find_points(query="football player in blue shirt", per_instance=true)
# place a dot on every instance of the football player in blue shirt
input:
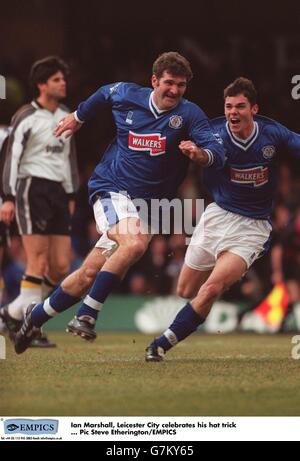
(235, 229)
(147, 160)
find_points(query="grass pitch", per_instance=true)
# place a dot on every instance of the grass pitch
(207, 375)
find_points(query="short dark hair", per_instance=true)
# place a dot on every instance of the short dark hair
(43, 69)
(242, 85)
(174, 63)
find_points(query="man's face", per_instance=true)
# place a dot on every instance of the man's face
(168, 90)
(239, 114)
(55, 87)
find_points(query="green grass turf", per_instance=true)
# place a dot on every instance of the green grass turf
(237, 375)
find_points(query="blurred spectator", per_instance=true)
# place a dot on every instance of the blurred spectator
(160, 280)
(138, 284)
(285, 254)
(13, 269)
(177, 246)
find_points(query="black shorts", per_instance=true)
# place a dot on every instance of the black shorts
(7, 232)
(42, 207)
(3, 234)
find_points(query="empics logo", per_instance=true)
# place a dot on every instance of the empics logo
(30, 426)
(2, 87)
(152, 142)
(12, 427)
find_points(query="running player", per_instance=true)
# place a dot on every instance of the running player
(145, 161)
(235, 229)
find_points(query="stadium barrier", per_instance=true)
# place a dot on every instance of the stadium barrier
(152, 315)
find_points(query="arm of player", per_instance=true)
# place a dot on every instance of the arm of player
(201, 133)
(17, 142)
(68, 125)
(104, 96)
(193, 152)
(7, 212)
(71, 180)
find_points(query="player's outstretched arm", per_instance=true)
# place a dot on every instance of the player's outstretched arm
(68, 125)
(194, 152)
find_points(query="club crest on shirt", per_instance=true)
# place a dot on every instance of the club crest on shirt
(268, 152)
(152, 142)
(175, 122)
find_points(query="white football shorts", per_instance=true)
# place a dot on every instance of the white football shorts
(219, 230)
(110, 210)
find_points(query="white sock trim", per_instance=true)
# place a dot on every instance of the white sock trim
(49, 309)
(171, 337)
(93, 303)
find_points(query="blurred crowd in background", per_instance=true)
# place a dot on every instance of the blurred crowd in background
(103, 48)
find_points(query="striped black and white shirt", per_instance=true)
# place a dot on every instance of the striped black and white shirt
(34, 151)
(4, 133)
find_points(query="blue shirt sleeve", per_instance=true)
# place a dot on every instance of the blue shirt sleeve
(290, 140)
(202, 134)
(103, 97)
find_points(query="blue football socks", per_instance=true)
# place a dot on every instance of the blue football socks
(58, 302)
(103, 285)
(185, 323)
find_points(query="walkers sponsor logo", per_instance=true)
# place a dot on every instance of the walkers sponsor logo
(30, 426)
(257, 176)
(153, 143)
